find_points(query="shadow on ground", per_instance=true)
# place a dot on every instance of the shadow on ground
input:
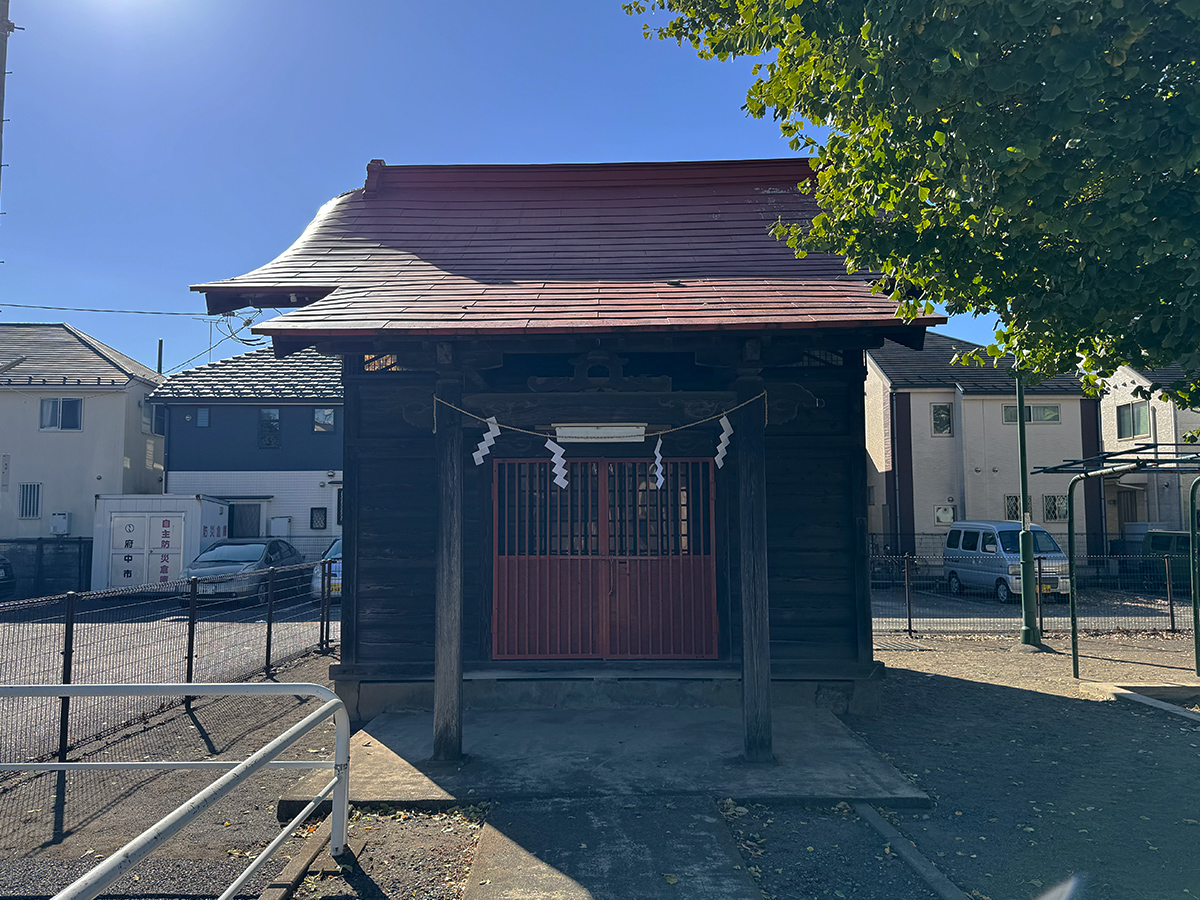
(1031, 786)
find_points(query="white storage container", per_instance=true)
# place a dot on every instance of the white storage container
(147, 539)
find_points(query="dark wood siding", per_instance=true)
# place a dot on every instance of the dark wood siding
(813, 463)
(815, 479)
(397, 526)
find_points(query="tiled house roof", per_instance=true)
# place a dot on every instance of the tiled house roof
(931, 367)
(303, 376)
(558, 248)
(57, 354)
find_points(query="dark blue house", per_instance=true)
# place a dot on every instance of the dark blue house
(265, 435)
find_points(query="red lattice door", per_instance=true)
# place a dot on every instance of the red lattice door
(610, 566)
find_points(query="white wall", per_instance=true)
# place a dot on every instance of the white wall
(935, 461)
(103, 457)
(879, 447)
(978, 466)
(1162, 498)
(292, 494)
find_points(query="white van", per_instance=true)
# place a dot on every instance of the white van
(985, 555)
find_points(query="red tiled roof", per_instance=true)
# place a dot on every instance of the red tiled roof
(559, 248)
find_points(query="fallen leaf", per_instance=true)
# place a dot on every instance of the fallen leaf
(671, 879)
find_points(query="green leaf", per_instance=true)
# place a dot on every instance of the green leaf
(1063, 208)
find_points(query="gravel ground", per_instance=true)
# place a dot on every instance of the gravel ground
(408, 853)
(53, 828)
(1032, 781)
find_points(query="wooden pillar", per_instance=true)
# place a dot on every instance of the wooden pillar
(447, 659)
(750, 440)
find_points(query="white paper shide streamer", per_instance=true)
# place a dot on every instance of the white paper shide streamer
(658, 464)
(723, 444)
(560, 465)
(489, 438)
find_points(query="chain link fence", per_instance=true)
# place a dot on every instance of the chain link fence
(216, 629)
(923, 594)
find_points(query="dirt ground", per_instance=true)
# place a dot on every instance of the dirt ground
(1032, 780)
(54, 828)
(819, 852)
(407, 853)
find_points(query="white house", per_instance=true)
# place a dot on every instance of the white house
(1143, 500)
(76, 422)
(942, 444)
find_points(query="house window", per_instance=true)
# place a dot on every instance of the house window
(154, 418)
(244, 520)
(1133, 420)
(318, 518)
(29, 506)
(944, 515)
(942, 419)
(1054, 507)
(1012, 506)
(339, 507)
(61, 414)
(201, 416)
(1036, 413)
(322, 419)
(870, 495)
(268, 429)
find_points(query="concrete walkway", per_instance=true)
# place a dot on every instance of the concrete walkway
(523, 754)
(593, 805)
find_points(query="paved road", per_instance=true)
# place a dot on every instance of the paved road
(934, 610)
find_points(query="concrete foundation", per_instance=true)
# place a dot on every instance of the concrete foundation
(368, 699)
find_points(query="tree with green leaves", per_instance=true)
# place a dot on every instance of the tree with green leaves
(1034, 159)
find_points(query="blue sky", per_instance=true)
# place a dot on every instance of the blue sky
(154, 144)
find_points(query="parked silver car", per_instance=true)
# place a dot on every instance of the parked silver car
(985, 554)
(242, 564)
(334, 553)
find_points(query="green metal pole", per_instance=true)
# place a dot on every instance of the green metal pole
(1029, 628)
(1192, 574)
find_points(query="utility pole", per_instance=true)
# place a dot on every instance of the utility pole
(6, 28)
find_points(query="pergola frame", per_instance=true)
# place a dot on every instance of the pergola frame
(1120, 462)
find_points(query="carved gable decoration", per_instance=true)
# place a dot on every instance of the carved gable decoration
(600, 371)
(784, 402)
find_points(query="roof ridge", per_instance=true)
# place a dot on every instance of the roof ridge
(125, 364)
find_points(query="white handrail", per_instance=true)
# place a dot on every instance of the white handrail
(96, 880)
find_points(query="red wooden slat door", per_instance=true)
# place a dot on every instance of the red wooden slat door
(609, 567)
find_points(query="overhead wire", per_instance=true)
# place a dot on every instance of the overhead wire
(87, 309)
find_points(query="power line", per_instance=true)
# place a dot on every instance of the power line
(231, 335)
(129, 312)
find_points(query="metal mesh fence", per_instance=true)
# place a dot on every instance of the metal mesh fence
(223, 628)
(927, 594)
(38, 567)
